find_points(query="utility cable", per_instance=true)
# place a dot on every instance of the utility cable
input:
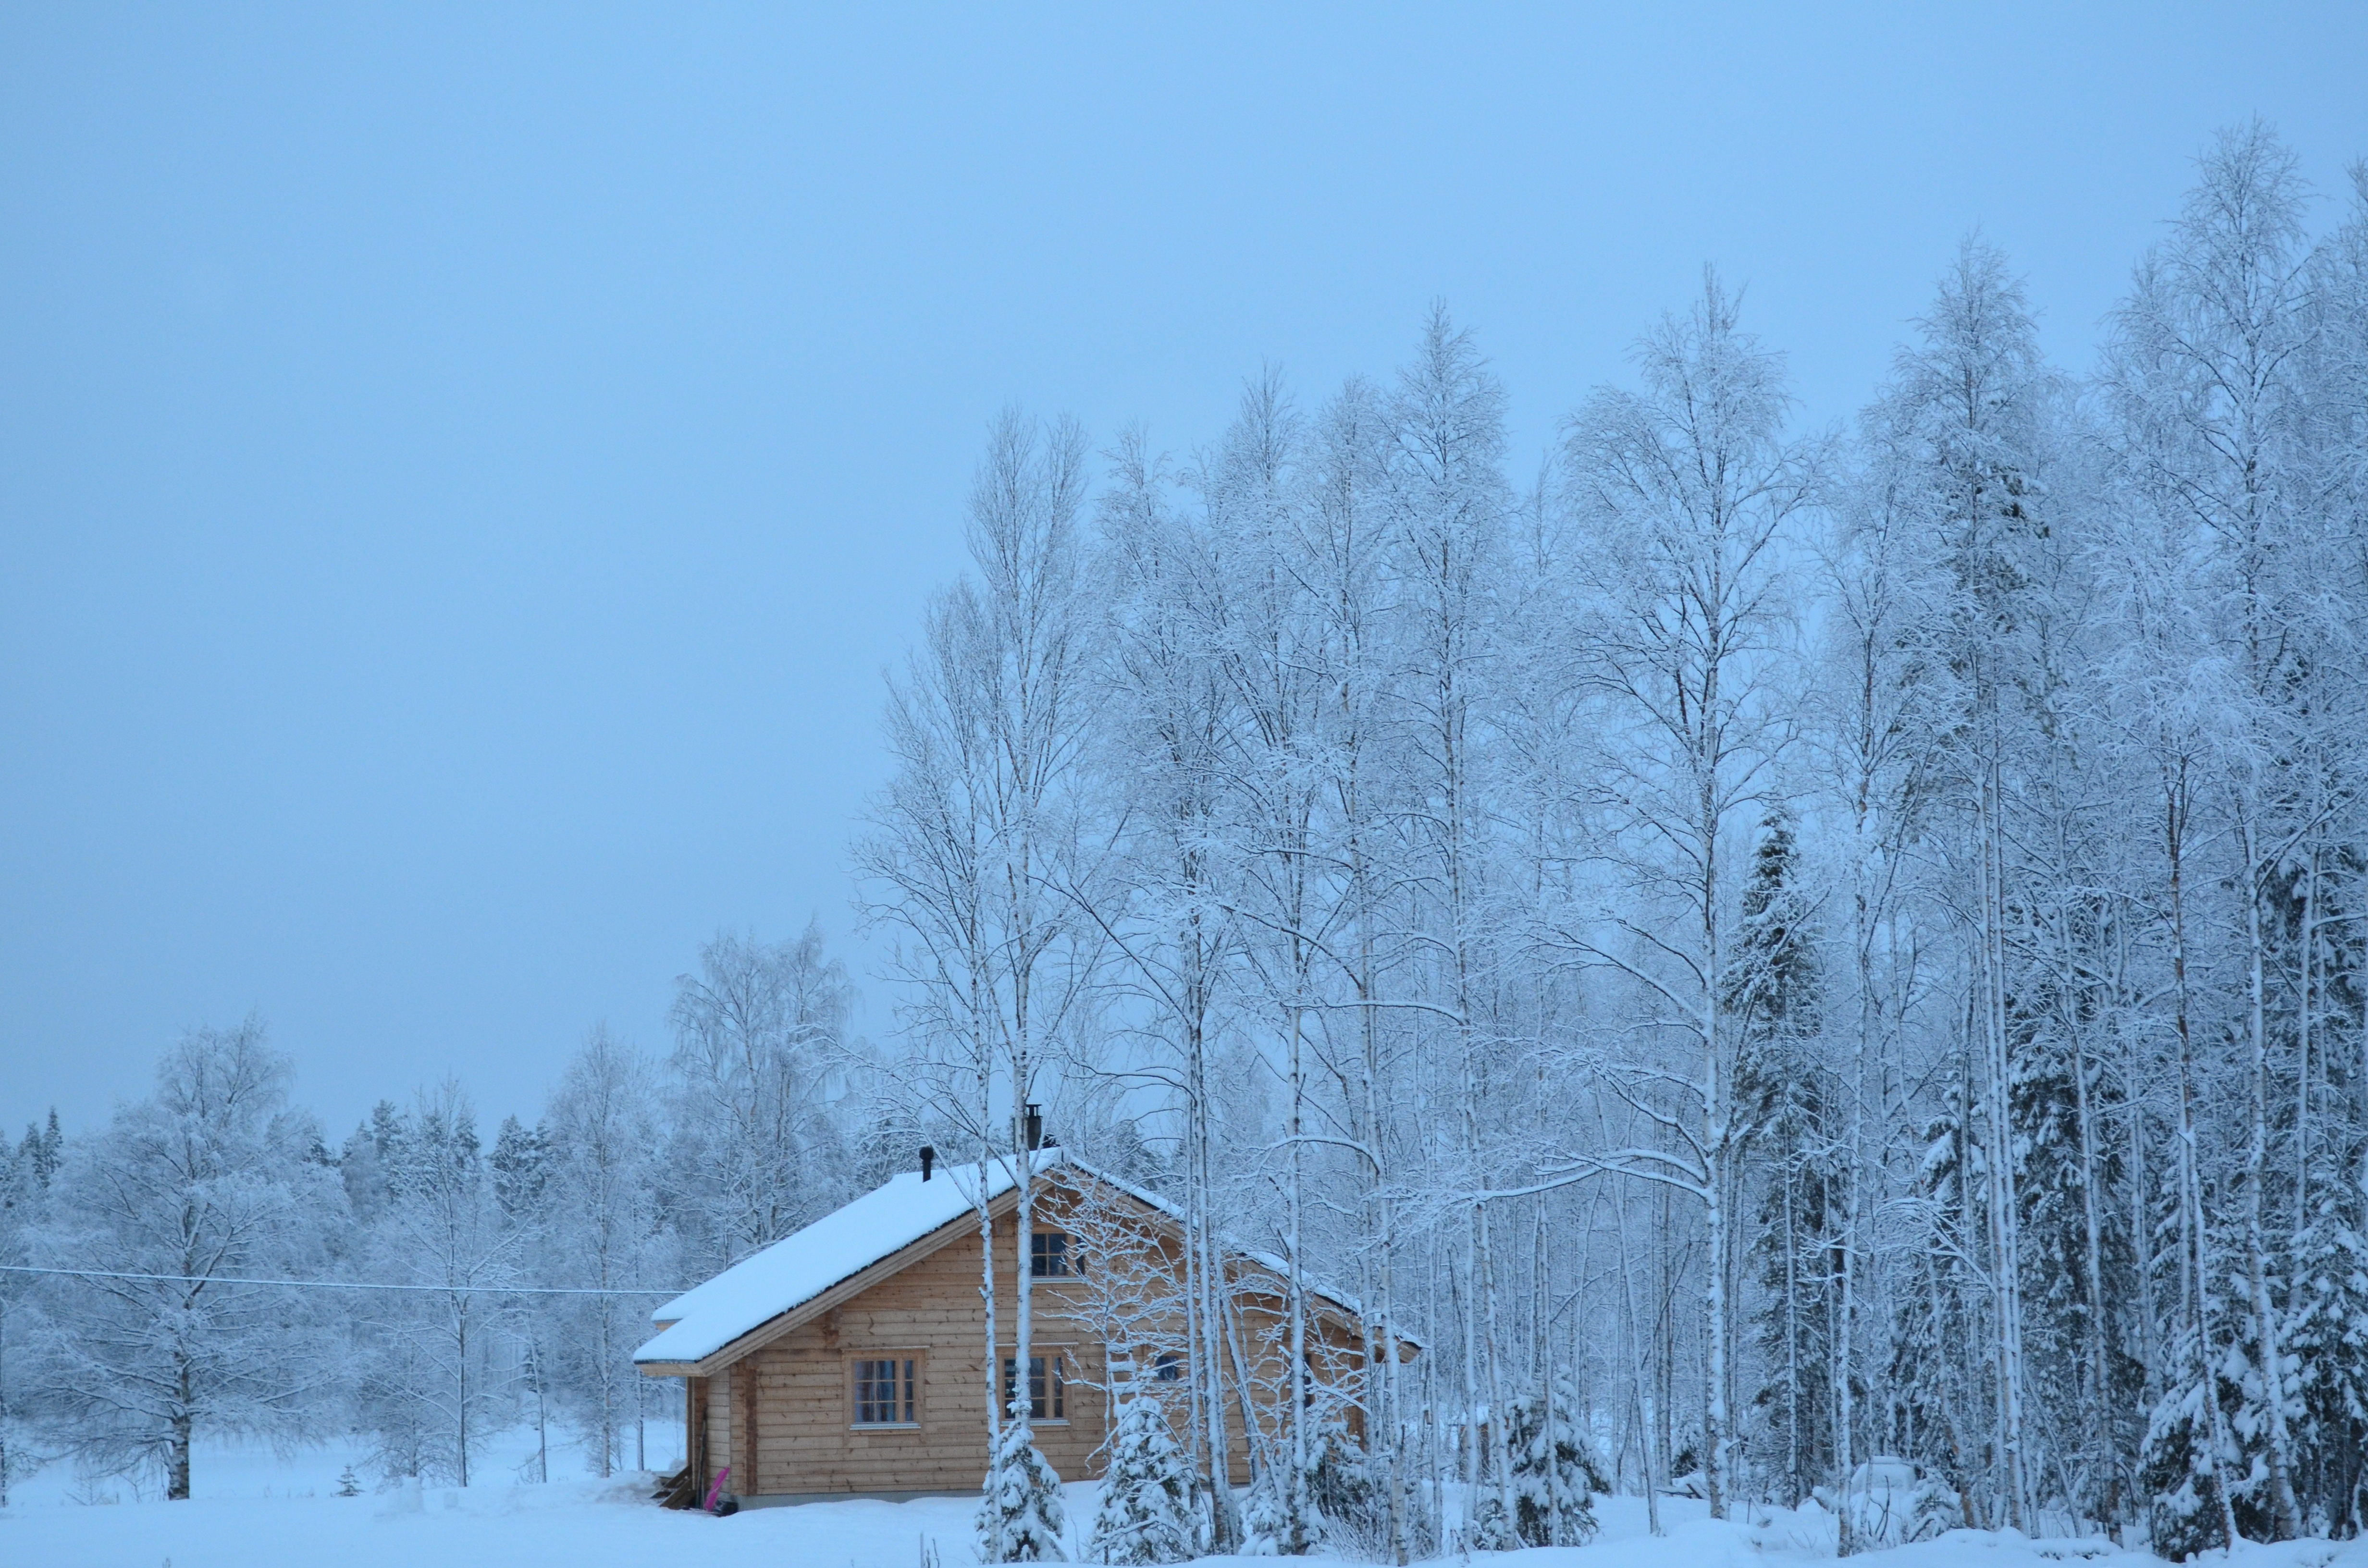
(340, 1284)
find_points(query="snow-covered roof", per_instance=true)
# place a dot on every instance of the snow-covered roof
(847, 1241)
(801, 1265)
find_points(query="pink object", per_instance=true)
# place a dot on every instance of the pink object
(716, 1490)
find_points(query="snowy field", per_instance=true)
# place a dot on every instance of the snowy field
(257, 1510)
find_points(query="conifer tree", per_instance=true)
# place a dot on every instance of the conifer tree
(520, 1163)
(1789, 1104)
(1021, 1518)
(1146, 1503)
(2184, 1460)
(1276, 1519)
(1556, 1471)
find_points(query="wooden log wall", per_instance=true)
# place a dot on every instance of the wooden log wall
(784, 1413)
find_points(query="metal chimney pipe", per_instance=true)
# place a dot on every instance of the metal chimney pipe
(928, 1158)
(1035, 1127)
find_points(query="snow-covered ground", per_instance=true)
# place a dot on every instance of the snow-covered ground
(258, 1510)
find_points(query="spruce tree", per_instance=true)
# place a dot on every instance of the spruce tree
(2081, 1324)
(1146, 1503)
(1555, 1474)
(2181, 1473)
(1021, 1518)
(1791, 1109)
(1346, 1487)
(522, 1169)
(2327, 1334)
(1269, 1529)
(1491, 1529)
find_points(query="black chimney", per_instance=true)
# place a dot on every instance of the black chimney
(1035, 1127)
(928, 1158)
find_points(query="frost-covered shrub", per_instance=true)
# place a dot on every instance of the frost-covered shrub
(1347, 1489)
(1270, 1527)
(1490, 1529)
(1889, 1502)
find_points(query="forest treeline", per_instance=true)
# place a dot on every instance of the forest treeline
(528, 1256)
(1808, 964)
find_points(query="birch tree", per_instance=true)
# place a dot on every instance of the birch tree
(760, 1041)
(604, 1192)
(209, 1182)
(978, 853)
(1682, 492)
(1448, 507)
(1171, 720)
(2204, 375)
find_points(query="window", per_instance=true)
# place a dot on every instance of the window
(885, 1393)
(1048, 1254)
(1045, 1403)
(1169, 1368)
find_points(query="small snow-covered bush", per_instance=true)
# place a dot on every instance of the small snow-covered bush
(1889, 1502)
(2177, 1469)
(1490, 1530)
(1349, 1493)
(1266, 1517)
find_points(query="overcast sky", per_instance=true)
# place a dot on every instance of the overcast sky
(462, 476)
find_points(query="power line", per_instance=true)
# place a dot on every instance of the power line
(338, 1284)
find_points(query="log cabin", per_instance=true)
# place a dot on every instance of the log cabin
(850, 1359)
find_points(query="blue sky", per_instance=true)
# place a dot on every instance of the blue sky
(463, 469)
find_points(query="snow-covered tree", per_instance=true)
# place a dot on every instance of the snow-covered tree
(1146, 1512)
(760, 1033)
(978, 859)
(1020, 1518)
(25, 1175)
(1277, 1518)
(210, 1180)
(602, 1232)
(2208, 378)
(433, 1371)
(1791, 1107)
(1684, 492)
(1557, 1472)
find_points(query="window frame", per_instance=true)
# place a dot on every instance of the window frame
(1051, 1245)
(1057, 1377)
(912, 1364)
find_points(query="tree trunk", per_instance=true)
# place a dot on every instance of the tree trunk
(986, 1277)
(2094, 1270)
(1714, 1193)
(2195, 1264)
(1640, 1374)
(2005, 1217)
(2257, 1253)
(176, 1461)
(1296, 1384)
(1497, 1430)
